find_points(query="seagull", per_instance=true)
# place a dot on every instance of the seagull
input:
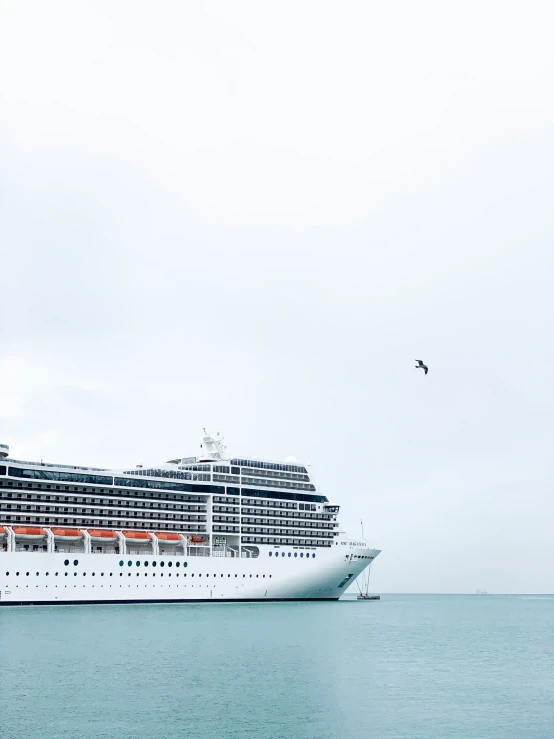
(422, 366)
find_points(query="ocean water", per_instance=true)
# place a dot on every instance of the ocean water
(407, 667)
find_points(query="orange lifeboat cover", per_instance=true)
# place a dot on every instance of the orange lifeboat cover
(197, 539)
(102, 534)
(66, 532)
(29, 530)
(2, 530)
(168, 537)
(136, 535)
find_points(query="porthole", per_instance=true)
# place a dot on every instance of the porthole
(75, 562)
(313, 555)
(289, 554)
(296, 554)
(66, 562)
(74, 574)
(154, 563)
(138, 563)
(162, 564)
(185, 564)
(37, 574)
(199, 574)
(129, 563)
(177, 564)
(17, 573)
(271, 554)
(146, 564)
(84, 574)
(282, 554)
(56, 574)
(170, 564)
(121, 563)
(7, 574)
(121, 574)
(235, 575)
(101, 574)
(301, 554)
(65, 574)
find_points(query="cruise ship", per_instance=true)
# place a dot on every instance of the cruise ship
(205, 528)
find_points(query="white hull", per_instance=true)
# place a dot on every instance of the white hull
(99, 578)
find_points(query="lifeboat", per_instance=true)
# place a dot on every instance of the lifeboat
(137, 537)
(29, 533)
(197, 540)
(167, 538)
(2, 532)
(67, 534)
(99, 535)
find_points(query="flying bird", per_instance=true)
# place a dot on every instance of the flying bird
(422, 366)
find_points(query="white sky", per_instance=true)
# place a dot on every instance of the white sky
(253, 217)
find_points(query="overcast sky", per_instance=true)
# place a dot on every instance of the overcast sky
(254, 217)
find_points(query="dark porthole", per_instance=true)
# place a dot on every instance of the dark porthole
(154, 563)
(177, 564)
(121, 574)
(271, 575)
(162, 564)
(193, 574)
(121, 563)
(56, 574)
(101, 574)
(282, 554)
(296, 554)
(236, 575)
(93, 574)
(84, 574)
(313, 555)
(289, 554)
(185, 564)
(7, 574)
(75, 562)
(66, 562)
(257, 575)
(244, 575)
(17, 574)
(170, 564)
(37, 574)
(129, 563)
(66, 574)
(271, 554)
(221, 574)
(111, 574)
(301, 554)
(128, 574)
(74, 574)
(138, 574)
(200, 574)
(138, 563)
(227, 575)
(250, 575)
(146, 564)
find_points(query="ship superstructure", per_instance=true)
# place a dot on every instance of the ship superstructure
(208, 527)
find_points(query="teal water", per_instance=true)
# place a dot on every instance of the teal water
(407, 667)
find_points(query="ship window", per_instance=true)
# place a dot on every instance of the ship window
(37, 574)
(313, 555)
(66, 562)
(138, 563)
(154, 563)
(282, 554)
(170, 564)
(146, 564)
(162, 564)
(17, 573)
(289, 554)
(75, 562)
(301, 554)
(296, 554)
(8, 574)
(66, 574)
(74, 574)
(185, 564)
(121, 563)
(177, 564)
